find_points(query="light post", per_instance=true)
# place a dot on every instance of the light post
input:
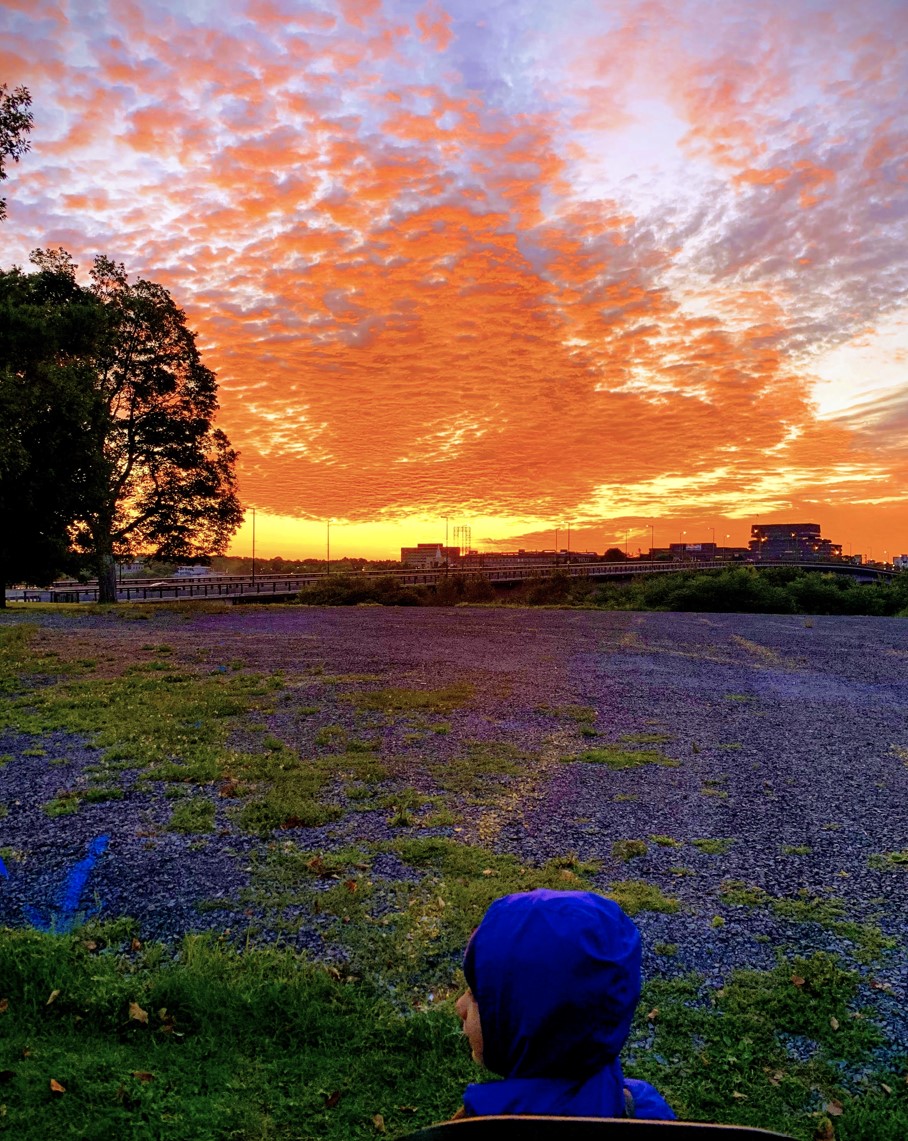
(556, 546)
(328, 548)
(681, 543)
(253, 546)
(569, 542)
(446, 546)
(652, 540)
(626, 533)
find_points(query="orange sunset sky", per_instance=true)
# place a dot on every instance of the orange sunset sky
(513, 262)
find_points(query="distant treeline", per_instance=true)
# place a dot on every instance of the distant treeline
(741, 589)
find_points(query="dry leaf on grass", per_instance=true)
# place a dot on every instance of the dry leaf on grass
(137, 1014)
(834, 1023)
(54, 994)
(55, 1087)
(379, 1122)
(142, 1076)
(4, 1005)
(332, 1099)
(797, 980)
(835, 1109)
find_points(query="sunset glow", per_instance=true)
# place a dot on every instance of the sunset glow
(510, 262)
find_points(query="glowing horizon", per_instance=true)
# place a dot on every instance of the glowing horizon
(507, 262)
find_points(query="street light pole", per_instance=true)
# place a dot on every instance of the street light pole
(253, 546)
(328, 549)
(652, 540)
(569, 543)
(556, 546)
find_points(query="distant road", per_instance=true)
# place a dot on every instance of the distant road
(274, 587)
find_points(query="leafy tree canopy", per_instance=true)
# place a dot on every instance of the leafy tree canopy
(16, 121)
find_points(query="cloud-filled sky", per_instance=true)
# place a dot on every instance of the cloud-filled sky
(513, 262)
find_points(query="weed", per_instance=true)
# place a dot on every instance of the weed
(711, 790)
(625, 796)
(741, 894)
(666, 841)
(34, 752)
(717, 921)
(625, 850)
(731, 746)
(98, 793)
(739, 697)
(795, 849)
(668, 949)
(680, 870)
(582, 714)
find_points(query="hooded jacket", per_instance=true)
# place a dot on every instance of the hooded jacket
(556, 975)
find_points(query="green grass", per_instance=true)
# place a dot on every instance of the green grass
(614, 757)
(889, 861)
(194, 815)
(713, 847)
(625, 850)
(667, 841)
(795, 849)
(645, 738)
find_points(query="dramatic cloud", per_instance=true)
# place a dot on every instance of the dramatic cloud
(503, 260)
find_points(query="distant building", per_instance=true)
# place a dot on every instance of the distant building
(196, 572)
(900, 562)
(791, 542)
(429, 555)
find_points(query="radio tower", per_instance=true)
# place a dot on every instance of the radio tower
(462, 538)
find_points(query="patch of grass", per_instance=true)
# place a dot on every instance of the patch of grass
(191, 816)
(712, 790)
(65, 803)
(396, 699)
(730, 746)
(98, 793)
(635, 896)
(667, 949)
(254, 1045)
(795, 849)
(713, 847)
(614, 757)
(739, 697)
(889, 861)
(481, 763)
(333, 737)
(625, 850)
(5, 759)
(622, 797)
(34, 752)
(667, 841)
(741, 894)
(582, 714)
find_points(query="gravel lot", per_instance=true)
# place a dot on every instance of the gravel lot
(790, 733)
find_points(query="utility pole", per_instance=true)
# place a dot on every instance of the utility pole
(328, 549)
(253, 546)
(556, 546)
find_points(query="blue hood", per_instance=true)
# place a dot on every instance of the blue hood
(556, 975)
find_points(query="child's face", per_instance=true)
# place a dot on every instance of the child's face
(468, 1011)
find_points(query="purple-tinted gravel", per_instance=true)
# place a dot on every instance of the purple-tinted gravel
(825, 708)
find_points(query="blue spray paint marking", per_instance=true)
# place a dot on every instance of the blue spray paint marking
(66, 915)
(3, 871)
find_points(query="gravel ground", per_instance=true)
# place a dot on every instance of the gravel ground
(799, 723)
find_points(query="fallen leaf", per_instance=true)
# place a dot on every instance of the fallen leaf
(379, 1122)
(137, 1014)
(135, 945)
(55, 1087)
(488, 871)
(797, 980)
(888, 1089)
(53, 997)
(6, 1076)
(835, 1109)
(351, 885)
(824, 1131)
(739, 1096)
(4, 1005)
(142, 1076)
(775, 1078)
(89, 944)
(653, 1014)
(332, 1099)
(26, 1052)
(834, 1023)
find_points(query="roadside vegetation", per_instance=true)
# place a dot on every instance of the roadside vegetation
(740, 589)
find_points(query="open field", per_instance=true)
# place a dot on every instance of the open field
(357, 784)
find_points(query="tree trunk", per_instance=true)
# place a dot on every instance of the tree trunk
(107, 576)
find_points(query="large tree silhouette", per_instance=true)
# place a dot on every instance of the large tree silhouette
(163, 479)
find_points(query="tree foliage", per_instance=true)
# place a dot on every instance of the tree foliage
(16, 121)
(108, 384)
(48, 331)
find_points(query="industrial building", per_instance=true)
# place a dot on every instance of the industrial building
(791, 542)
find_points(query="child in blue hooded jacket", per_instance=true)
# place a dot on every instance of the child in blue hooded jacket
(554, 979)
